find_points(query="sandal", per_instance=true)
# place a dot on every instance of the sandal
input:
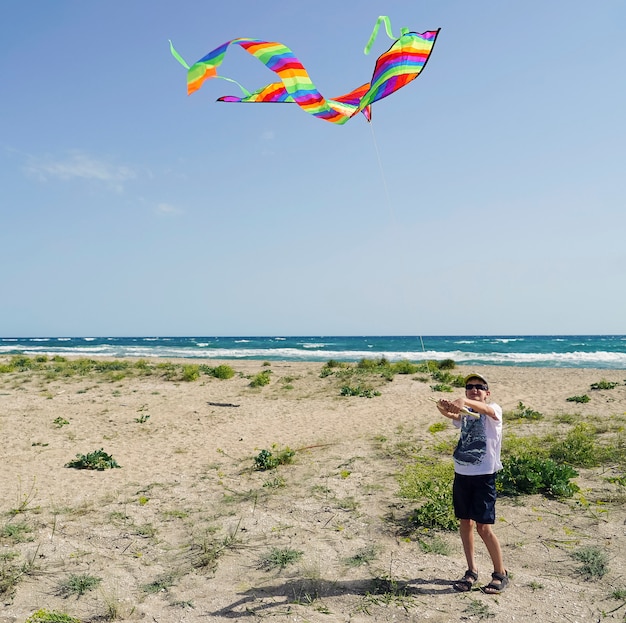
(499, 581)
(467, 583)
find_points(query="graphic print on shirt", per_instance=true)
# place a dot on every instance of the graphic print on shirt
(472, 444)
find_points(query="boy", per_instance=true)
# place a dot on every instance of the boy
(476, 461)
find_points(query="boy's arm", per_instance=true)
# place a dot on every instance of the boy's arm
(452, 409)
(480, 407)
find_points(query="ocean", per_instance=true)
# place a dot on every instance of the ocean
(553, 351)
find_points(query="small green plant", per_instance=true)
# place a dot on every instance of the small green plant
(78, 584)
(266, 459)
(437, 427)
(50, 616)
(60, 422)
(362, 557)
(16, 532)
(274, 483)
(522, 412)
(223, 372)
(578, 448)
(595, 562)
(432, 485)
(387, 591)
(434, 544)
(604, 384)
(359, 390)
(279, 558)
(261, 379)
(529, 474)
(477, 608)
(191, 372)
(162, 583)
(579, 399)
(142, 419)
(441, 387)
(98, 460)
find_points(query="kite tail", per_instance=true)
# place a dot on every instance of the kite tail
(204, 69)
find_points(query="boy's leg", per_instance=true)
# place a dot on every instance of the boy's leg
(493, 546)
(466, 529)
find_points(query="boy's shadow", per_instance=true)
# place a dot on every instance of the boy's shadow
(263, 599)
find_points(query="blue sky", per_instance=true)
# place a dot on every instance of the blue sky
(487, 197)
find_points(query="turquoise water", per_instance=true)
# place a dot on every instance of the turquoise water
(572, 351)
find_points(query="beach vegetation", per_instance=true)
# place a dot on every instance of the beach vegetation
(25, 498)
(279, 558)
(437, 427)
(430, 483)
(160, 584)
(362, 557)
(522, 445)
(190, 372)
(579, 399)
(603, 384)
(479, 609)
(50, 616)
(261, 379)
(522, 412)
(446, 364)
(578, 447)
(432, 543)
(111, 370)
(441, 387)
(528, 475)
(98, 460)
(78, 584)
(387, 591)
(594, 562)
(271, 459)
(18, 532)
(223, 372)
(363, 391)
(445, 446)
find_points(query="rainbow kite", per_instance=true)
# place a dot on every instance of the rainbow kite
(394, 69)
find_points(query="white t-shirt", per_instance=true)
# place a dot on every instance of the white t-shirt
(480, 442)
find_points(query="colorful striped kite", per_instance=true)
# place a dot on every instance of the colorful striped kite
(394, 69)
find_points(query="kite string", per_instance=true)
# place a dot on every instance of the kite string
(387, 195)
(384, 178)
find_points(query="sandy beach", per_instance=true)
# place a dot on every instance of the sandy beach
(186, 529)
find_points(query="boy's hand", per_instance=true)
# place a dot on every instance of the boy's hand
(449, 408)
(453, 407)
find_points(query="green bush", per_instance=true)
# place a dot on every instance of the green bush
(98, 460)
(595, 561)
(432, 485)
(261, 379)
(441, 387)
(50, 616)
(279, 558)
(223, 372)
(191, 372)
(447, 364)
(359, 390)
(579, 399)
(405, 367)
(266, 459)
(78, 584)
(603, 384)
(528, 475)
(522, 412)
(578, 448)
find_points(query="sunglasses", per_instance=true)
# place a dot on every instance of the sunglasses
(476, 386)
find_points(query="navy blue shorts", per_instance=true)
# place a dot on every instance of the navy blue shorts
(474, 497)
